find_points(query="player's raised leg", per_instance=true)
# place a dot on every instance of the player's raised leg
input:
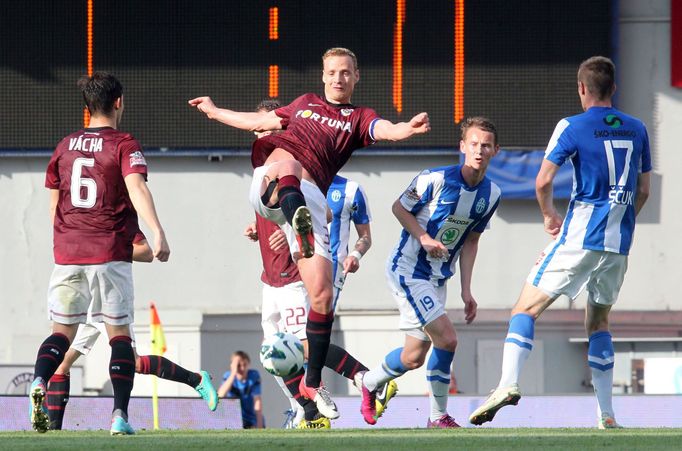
(166, 369)
(517, 347)
(281, 189)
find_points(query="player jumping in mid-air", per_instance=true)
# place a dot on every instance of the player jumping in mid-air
(59, 386)
(611, 173)
(292, 171)
(443, 212)
(97, 181)
(286, 302)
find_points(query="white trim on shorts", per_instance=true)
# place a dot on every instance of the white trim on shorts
(567, 270)
(315, 201)
(106, 290)
(419, 301)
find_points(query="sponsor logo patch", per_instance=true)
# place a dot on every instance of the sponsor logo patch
(137, 159)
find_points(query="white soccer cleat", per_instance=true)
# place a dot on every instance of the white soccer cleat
(608, 422)
(498, 398)
(322, 399)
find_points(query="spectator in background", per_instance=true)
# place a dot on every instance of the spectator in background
(243, 382)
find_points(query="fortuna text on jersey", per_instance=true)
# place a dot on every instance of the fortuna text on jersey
(333, 123)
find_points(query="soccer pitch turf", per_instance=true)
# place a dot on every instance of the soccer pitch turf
(379, 439)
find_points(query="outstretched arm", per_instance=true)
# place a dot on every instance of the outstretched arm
(387, 130)
(259, 121)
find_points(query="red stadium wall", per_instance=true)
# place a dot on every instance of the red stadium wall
(676, 43)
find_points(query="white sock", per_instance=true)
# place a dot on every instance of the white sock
(438, 376)
(513, 358)
(517, 347)
(376, 377)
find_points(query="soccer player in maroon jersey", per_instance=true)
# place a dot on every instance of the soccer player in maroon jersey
(293, 170)
(97, 181)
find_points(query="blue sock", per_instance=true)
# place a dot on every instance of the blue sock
(517, 347)
(438, 376)
(389, 370)
(600, 359)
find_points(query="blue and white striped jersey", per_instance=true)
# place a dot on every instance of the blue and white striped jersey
(608, 150)
(448, 209)
(348, 202)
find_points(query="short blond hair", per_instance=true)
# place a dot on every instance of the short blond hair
(481, 122)
(340, 51)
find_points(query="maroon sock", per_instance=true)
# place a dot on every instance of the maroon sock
(122, 371)
(318, 329)
(50, 355)
(339, 360)
(289, 196)
(292, 384)
(166, 369)
(57, 398)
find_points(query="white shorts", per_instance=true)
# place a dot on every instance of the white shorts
(419, 301)
(568, 270)
(87, 336)
(316, 202)
(285, 309)
(106, 289)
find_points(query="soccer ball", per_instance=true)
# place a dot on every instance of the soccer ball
(281, 354)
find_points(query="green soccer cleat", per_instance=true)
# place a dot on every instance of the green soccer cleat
(207, 391)
(302, 223)
(387, 392)
(608, 422)
(37, 408)
(119, 426)
(499, 398)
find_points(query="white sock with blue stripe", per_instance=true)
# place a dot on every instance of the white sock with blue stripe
(438, 375)
(387, 371)
(600, 360)
(517, 347)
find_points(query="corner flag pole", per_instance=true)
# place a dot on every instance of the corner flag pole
(158, 345)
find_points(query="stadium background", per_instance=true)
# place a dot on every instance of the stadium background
(520, 61)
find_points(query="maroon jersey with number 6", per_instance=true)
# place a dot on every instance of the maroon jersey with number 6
(95, 221)
(320, 135)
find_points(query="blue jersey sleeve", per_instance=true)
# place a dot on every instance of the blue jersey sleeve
(561, 146)
(360, 213)
(419, 193)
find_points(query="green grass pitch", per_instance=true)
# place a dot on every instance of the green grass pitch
(352, 439)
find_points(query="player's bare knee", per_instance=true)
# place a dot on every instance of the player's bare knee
(289, 167)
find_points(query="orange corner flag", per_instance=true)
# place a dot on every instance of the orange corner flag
(158, 339)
